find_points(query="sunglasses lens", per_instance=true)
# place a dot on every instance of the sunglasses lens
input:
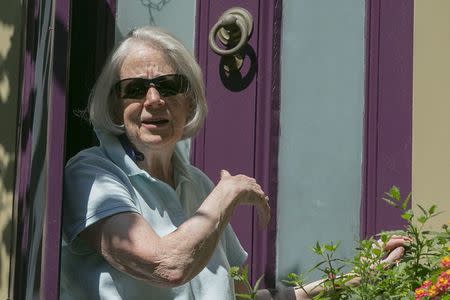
(133, 88)
(170, 85)
(167, 85)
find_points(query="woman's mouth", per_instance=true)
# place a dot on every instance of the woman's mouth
(155, 122)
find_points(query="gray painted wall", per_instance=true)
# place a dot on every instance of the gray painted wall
(176, 16)
(322, 102)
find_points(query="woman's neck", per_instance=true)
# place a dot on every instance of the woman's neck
(158, 165)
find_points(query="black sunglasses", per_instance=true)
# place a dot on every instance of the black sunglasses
(166, 85)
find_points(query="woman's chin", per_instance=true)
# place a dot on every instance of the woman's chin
(156, 141)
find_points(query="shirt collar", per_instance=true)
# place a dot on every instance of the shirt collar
(112, 146)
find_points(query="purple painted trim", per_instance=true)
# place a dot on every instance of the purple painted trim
(388, 115)
(56, 140)
(267, 134)
(56, 118)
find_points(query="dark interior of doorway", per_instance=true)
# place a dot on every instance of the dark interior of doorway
(92, 38)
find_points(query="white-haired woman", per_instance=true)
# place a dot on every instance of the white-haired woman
(139, 222)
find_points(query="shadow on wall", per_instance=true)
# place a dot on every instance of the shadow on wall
(10, 30)
(153, 6)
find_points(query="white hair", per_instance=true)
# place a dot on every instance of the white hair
(103, 100)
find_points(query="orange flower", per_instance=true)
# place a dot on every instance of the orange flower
(420, 292)
(442, 284)
(433, 291)
(445, 262)
(427, 283)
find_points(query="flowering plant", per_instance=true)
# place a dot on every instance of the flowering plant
(423, 272)
(432, 289)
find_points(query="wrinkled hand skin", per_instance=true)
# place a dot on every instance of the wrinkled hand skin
(246, 191)
(395, 248)
(397, 241)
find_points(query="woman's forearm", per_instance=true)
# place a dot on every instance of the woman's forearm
(196, 239)
(193, 243)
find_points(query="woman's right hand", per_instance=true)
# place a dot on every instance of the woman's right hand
(245, 190)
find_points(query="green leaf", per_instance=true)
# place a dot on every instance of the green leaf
(406, 201)
(234, 273)
(407, 216)
(293, 276)
(390, 202)
(318, 249)
(394, 192)
(445, 297)
(337, 245)
(422, 219)
(255, 288)
(432, 209)
(422, 209)
(245, 272)
(293, 281)
(329, 248)
(244, 296)
(384, 238)
(316, 266)
(376, 251)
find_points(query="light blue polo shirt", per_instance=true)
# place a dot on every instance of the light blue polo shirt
(103, 181)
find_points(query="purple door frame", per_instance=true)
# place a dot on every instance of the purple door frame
(388, 115)
(55, 118)
(56, 153)
(52, 110)
(242, 128)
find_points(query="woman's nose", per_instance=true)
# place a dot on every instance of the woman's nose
(153, 98)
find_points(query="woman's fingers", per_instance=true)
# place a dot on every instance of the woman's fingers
(397, 241)
(262, 205)
(224, 174)
(264, 212)
(394, 256)
(248, 192)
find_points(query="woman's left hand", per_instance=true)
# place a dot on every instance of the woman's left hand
(395, 248)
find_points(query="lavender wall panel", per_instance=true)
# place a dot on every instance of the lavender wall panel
(388, 110)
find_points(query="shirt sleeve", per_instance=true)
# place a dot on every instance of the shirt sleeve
(94, 188)
(236, 254)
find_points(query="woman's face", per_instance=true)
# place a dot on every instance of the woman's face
(152, 122)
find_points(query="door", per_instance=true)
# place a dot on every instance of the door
(241, 129)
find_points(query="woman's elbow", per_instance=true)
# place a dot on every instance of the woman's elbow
(154, 273)
(174, 273)
(177, 278)
(159, 268)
